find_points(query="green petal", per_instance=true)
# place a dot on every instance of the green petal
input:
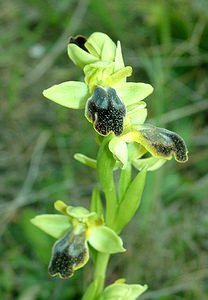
(101, 46)
(60, 206)
(85, 160)
(78, 212)
(149, 164)
(105, 240)
(137, 114)
(132, 92)
(119, 77)
(71, 94)
(123, 291)
(119, 148)
(161, 142)
(119, 63)
(79, 56)
(54, 225)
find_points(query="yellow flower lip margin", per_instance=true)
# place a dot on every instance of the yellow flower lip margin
(74, 230)
(69, 254)
(106, 111)
(103, 65)
(161, 143)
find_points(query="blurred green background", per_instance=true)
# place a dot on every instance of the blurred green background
(166, 42)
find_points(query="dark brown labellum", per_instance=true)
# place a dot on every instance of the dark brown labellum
(106, 111)
(67, 254)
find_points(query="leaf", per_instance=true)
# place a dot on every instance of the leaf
(105, 240)
(124, 181)
(54, 225)
(71, 94)
(90, 293)
(130, 202)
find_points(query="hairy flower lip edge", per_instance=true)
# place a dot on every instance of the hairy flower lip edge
(87, 225)
(173, 146)
(105, 110)
(62, 263)
(176, 134)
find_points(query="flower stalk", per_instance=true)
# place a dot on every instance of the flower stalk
(117, 112)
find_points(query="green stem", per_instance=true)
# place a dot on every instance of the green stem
(96, 287)
(111, 204)
(100, 270)
(105, 166)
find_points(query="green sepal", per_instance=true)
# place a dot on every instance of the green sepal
(71, 94)
(105, 240)
(85, 160)
(133, 92)
(149, 164)
(79, 56)
(119, 148)
(96, 203)
(133, 195)
(54, 225)
(101, 46)
(123, 291)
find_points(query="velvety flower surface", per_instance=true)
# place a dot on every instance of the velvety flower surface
(68, 254)
(75, 229)
(106, 111)
(116, 106)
